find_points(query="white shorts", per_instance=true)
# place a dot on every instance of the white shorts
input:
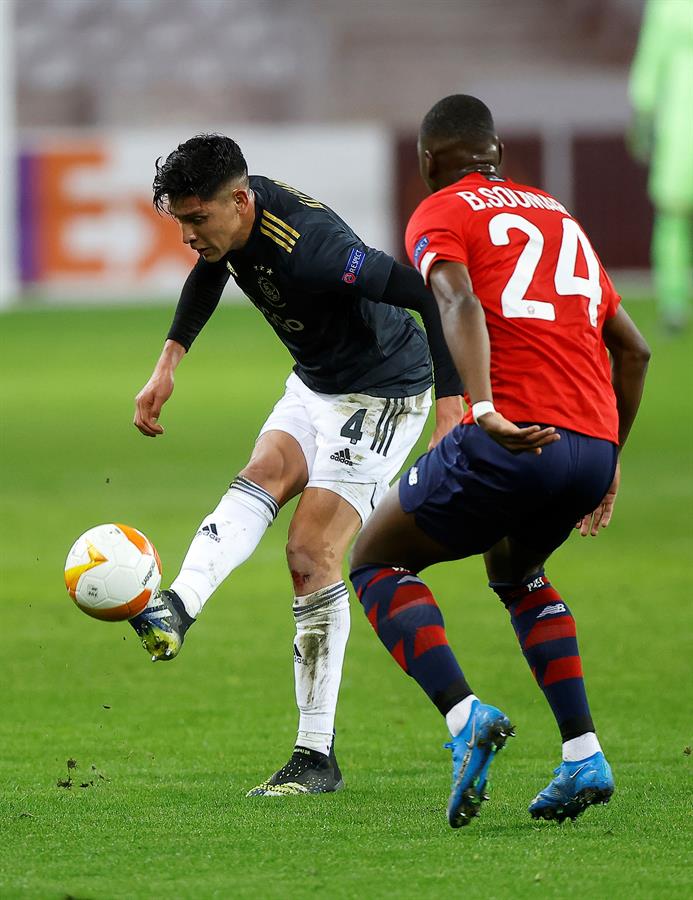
(354, 444)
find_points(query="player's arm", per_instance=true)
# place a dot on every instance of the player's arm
(464, 326)
(630, 356)
(406, 289)
(198, 300)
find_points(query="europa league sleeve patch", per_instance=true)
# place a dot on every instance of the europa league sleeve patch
(418, 250)
(353, 266)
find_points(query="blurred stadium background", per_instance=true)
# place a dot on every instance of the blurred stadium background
(325, 95)
(319, 93)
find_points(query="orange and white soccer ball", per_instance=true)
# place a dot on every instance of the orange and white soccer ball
(111, 572)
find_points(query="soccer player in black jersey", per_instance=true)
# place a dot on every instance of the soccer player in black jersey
(354, 406)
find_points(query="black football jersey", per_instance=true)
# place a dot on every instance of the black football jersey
(318, 285)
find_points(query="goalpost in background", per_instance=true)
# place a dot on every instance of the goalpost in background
(8, 187)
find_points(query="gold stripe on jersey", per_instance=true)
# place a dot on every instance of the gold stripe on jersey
(302, 198)
(280, 233)
(277, 221)
(277, 240)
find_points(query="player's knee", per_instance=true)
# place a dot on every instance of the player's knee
(507, 566)
(277, 469)
(310, 565)
(264, 470)
(510, 592)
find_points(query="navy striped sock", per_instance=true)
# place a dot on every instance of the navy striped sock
(545, 629)
(407, 619)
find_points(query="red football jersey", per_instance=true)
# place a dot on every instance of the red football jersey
(544, 292)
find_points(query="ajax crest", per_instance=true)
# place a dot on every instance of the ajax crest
(269, 290)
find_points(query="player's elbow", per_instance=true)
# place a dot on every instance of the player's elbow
(460, 305)
(633, 358)
(639, 353)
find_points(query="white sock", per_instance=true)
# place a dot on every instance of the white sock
(322, 631)
(581, 747)
(224, 540)
(458, 716)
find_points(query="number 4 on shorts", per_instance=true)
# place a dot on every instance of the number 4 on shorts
(352, 427)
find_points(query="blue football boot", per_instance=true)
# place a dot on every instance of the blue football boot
(473, 750)
(577, 785)
(162, 624)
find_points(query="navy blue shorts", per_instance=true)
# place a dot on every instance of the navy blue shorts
(469, 492)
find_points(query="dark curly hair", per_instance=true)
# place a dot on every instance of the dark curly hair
(197, 168)
(458, 117)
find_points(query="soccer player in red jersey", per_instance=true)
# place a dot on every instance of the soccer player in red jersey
(554, 371)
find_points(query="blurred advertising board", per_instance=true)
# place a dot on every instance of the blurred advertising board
(87, 230)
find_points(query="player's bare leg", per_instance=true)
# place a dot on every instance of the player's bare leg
(276, 472)
(389, 553)
(545, 629)
(319, 536)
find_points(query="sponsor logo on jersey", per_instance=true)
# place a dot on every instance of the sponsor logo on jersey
(418, 250)
(413, 476)
(353, 266)
(343, 456)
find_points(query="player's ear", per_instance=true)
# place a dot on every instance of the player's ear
(428, 165)
(501, 148)
(241, 199)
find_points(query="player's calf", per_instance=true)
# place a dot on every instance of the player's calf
(545, 629)
(406, 618)
(408, 621)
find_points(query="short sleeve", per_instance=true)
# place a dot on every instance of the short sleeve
(331, 257)
(435, 233)
(610, 296)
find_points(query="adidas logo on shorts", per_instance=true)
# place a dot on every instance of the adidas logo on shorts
(343, 456)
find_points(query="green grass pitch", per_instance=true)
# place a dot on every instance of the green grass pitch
(179, 744)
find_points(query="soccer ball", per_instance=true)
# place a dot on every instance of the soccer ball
(111, 572)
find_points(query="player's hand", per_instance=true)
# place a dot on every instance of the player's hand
(518, 440)
(149, 401)
(600, 518)
(448, 414)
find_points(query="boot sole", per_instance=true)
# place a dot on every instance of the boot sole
(574, 807)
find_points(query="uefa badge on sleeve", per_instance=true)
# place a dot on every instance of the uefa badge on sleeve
(353, 266)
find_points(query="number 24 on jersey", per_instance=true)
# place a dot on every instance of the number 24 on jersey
(514, 302)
